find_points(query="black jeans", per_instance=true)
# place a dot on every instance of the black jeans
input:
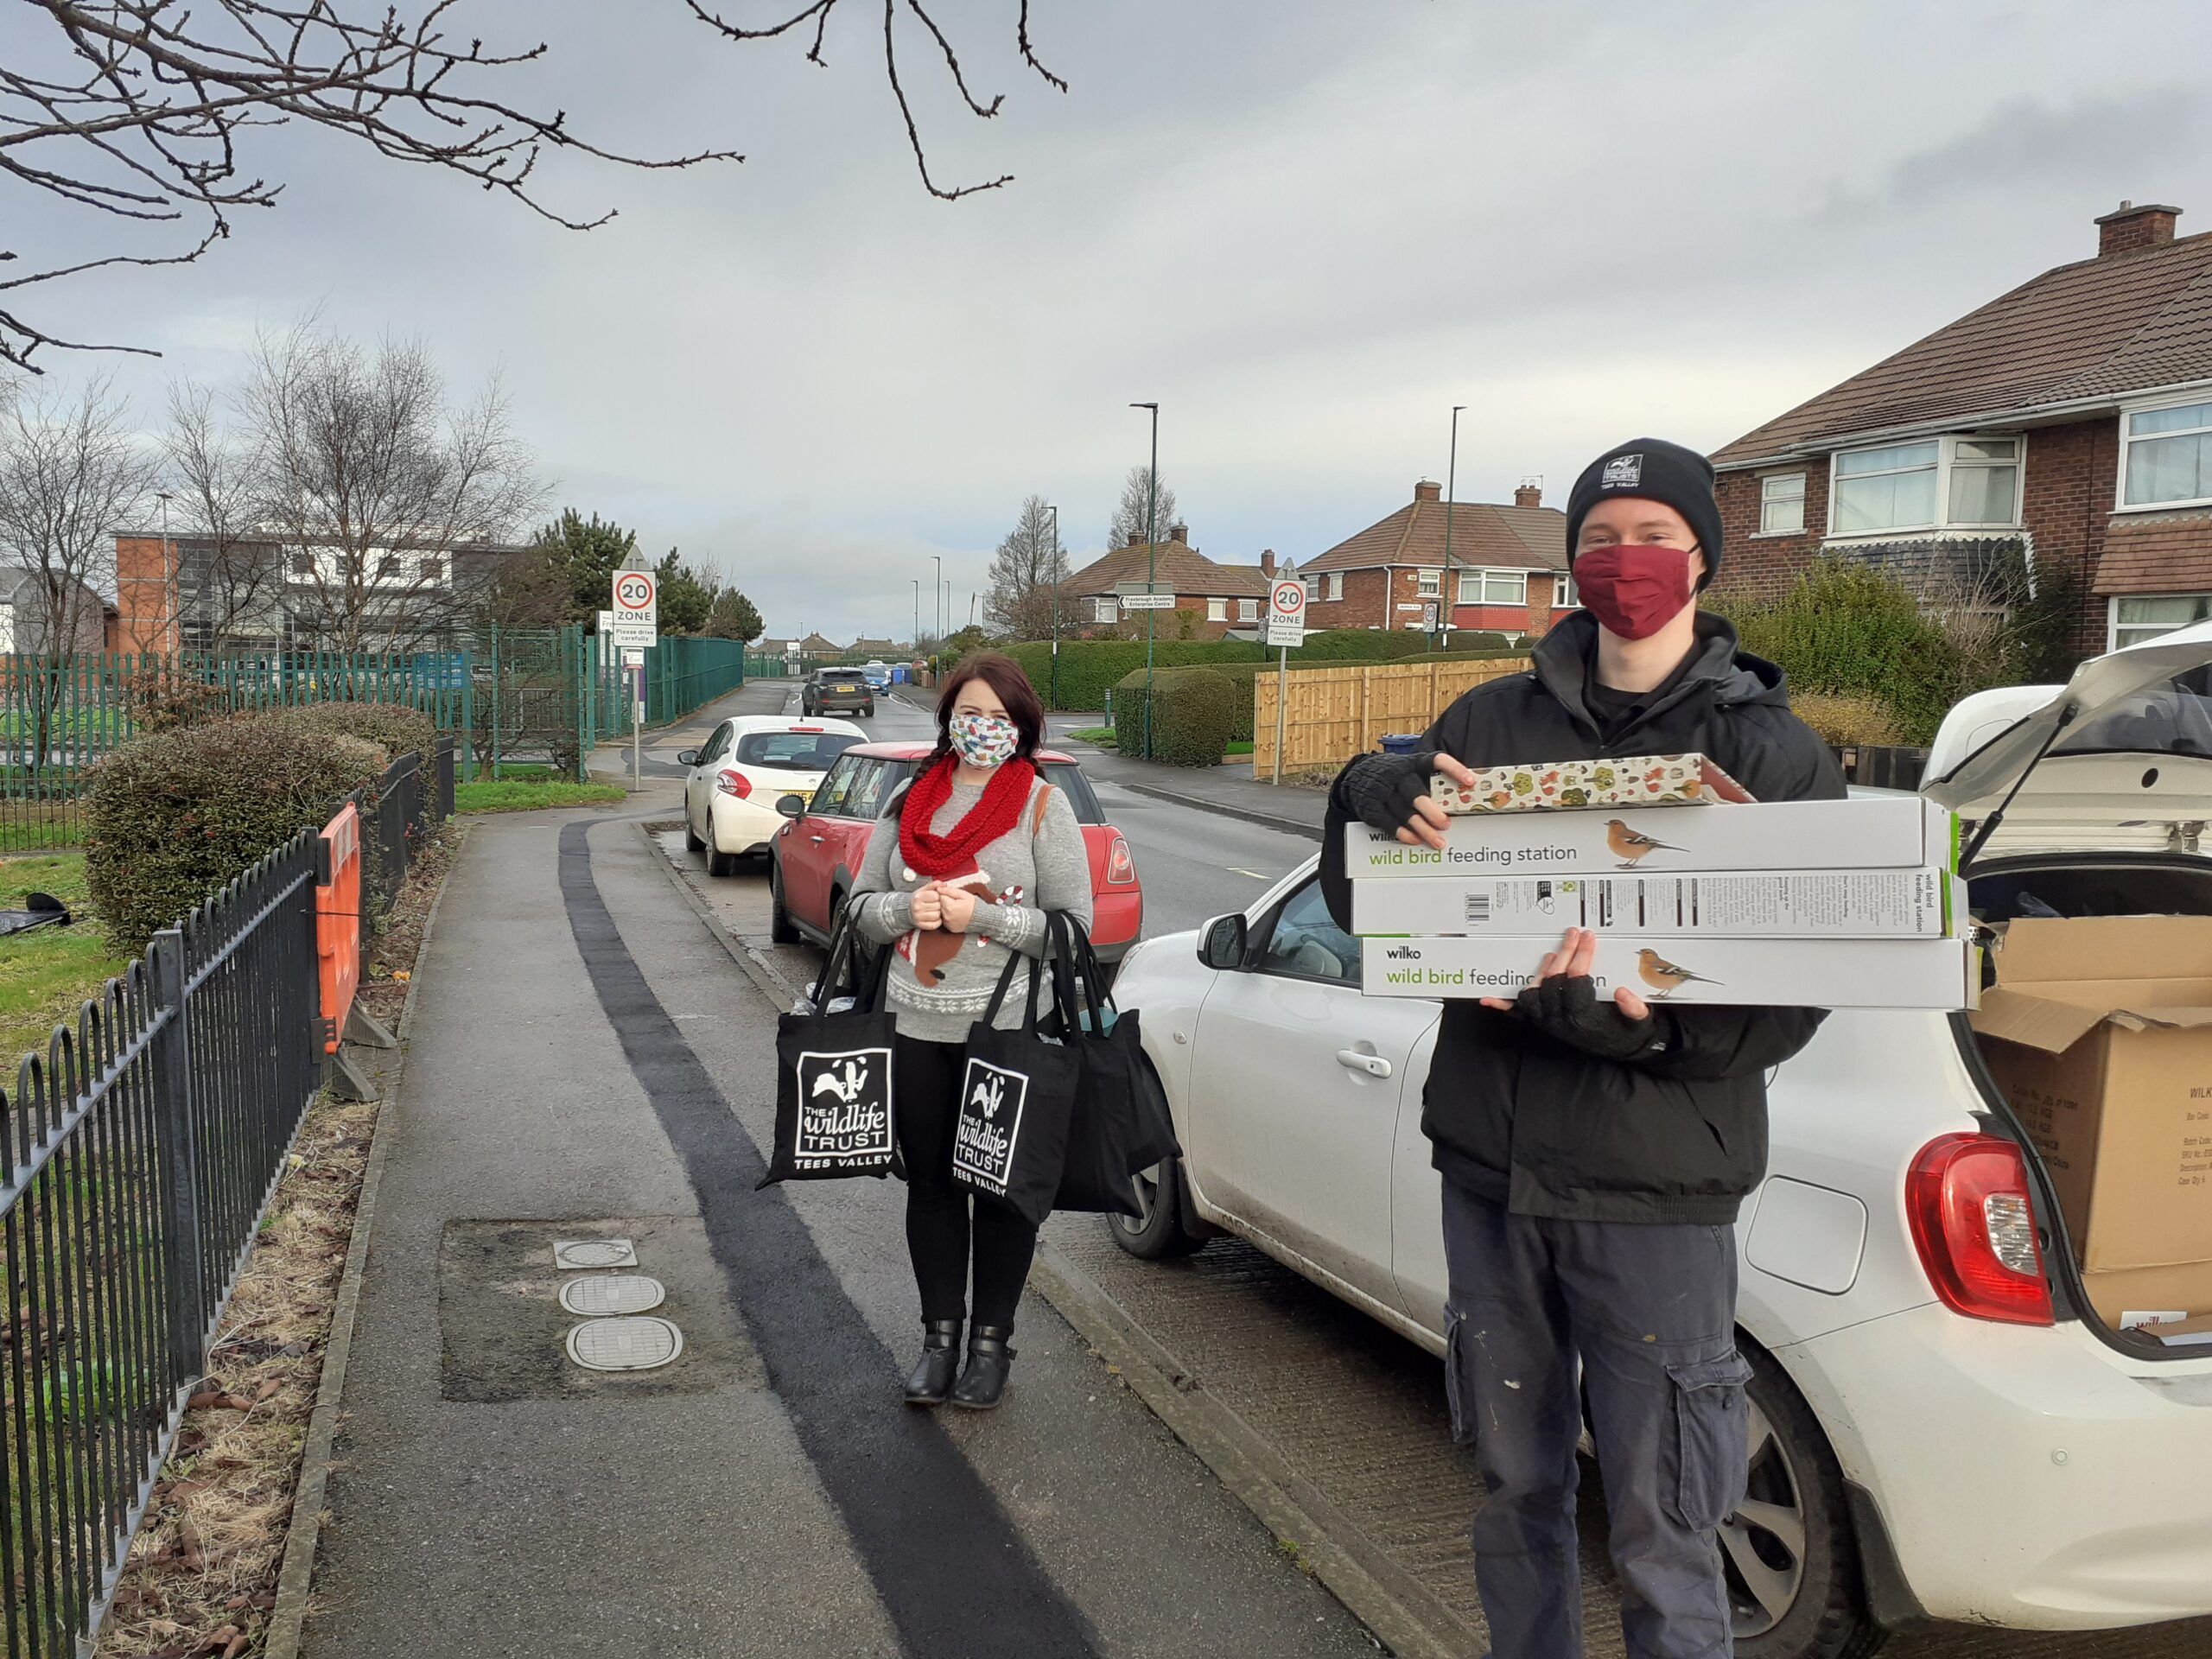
(927, 1089)
(1650, 1312)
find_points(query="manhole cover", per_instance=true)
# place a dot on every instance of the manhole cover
(623, 1345)
(610, 1292)
(595, 1253)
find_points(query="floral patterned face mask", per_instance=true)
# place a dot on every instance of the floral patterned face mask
(983, 741)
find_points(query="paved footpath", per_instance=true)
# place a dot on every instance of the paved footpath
(586, 1061)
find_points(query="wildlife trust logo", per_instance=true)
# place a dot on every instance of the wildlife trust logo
(991, 1099)
(1621, 472)
(844, 1107)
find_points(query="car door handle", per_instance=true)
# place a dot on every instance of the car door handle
(817, 840)
(1352, 1060)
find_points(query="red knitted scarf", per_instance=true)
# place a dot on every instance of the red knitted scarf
(954, 852)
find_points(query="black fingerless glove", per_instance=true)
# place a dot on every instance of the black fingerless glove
(1570, 1011)
(1380, 789)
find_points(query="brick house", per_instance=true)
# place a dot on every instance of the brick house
(1216, 597)
(2062, 433)
(1508, 575)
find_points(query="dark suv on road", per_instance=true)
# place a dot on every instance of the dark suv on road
(837, 691)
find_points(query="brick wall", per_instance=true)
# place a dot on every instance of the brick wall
(1365, 604)
(1369, 602)
(1753, 566)
(145, 619)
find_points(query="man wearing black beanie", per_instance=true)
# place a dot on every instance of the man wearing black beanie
(1595, 1151)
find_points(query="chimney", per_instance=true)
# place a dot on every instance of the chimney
(2130, 229)
(1429, 490)
(1180, 533)
(1136, 535)
(1529, 493)
(1267, 562)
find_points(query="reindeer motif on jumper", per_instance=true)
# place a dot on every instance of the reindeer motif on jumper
(930, 949)
(991, 1100)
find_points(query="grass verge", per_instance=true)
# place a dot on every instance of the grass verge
(1100, 736)
(1236, 748)
(46, 974)
(522, 796)
(202, 1577)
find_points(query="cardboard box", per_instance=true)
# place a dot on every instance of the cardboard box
(1758, 973)
(1927, 904)
(2186, 1333)
(1557, 785)
(2098, 1031)
(1867, 832)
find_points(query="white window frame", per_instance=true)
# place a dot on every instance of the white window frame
(1217, 610)
(1429, 584)
(2114, 624)
(1248, 610)
(2128, 413)
(1946, 452)
(1766, 501)
(1105, 610)
(1312, 587)
(1336, 579)
(1481, 579)
(1563, 594)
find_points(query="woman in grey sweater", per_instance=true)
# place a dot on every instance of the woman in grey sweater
(983, 847)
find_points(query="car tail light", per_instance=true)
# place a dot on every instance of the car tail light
(734, 783)
(1966, 1197)
(1120, 868)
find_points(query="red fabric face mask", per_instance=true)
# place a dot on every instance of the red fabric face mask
(1634, 589)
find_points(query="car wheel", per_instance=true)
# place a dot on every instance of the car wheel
(781, 930)
(1788, 1554)
(1157, 1232)
(718, 861)
(691, 841)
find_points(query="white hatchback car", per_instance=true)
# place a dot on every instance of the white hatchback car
(1940, 1426)
(750, 763)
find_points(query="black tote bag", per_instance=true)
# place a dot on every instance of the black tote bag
(1119, 1123)
(1017, 1092)
(834, 1106)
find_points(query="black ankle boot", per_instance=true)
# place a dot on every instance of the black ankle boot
(930, 1382)
(983, 1381)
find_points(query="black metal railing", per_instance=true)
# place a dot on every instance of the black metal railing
(446, 771)
(398, 829)
(136, 1157)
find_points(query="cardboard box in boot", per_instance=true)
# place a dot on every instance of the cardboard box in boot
(2099, 1031)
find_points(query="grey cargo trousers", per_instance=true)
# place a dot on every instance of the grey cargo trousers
(1650, 1312)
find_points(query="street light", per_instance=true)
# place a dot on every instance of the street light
(1450, 484)
(1052, 569)
(936, 597)
(914, 639)
(1151, 565)
(170, 598)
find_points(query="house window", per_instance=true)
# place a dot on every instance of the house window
(1493, 588)
(1217, 610)
(433, 569)
(388, 567)
(303, 564)
(1563, 597)
(1248, 610)
(1429, 584)
(1782, 503)
(2135, 619)
(1105, 610)
(1936, 484)
(1336, 584)
(1312, 588)
(2167, 456)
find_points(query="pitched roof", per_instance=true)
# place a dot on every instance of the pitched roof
(1513, 538)
(2156, 553)
(12, 577)
(879, 646)
(2097, 329)
(1178, 568)
(814, 642)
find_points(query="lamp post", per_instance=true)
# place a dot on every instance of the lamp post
(170, 598)
(1451, 484)
(936, 597)
(1151, 564)
(1052, 570)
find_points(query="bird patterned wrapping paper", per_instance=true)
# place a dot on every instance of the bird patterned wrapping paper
(1629, 780)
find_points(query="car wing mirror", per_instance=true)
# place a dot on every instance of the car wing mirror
(687, 757)
(791, 806)
(1221, 941)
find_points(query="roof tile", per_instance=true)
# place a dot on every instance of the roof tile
(1514, 538)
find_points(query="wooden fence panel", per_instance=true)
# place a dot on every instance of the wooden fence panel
(1333, 713)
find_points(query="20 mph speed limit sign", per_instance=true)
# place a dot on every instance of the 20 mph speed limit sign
(1287, 612)
(637, 610)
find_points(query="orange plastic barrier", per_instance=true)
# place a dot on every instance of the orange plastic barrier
(338, 924)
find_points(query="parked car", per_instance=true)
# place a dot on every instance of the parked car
(1939, 1425)
(846, 690)
(751, 762)
(815, 857)
(877, 676)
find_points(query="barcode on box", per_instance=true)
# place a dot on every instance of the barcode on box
(1478, 909)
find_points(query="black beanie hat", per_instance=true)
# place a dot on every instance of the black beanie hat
(1651, 469)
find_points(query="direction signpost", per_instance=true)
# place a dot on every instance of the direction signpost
(635, 629)
(1286, 627)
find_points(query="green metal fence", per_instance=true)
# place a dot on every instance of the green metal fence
(509, 697)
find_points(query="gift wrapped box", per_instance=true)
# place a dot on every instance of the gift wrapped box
(1635, 780)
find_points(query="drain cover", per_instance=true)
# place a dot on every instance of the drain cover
(595, 1253)
(623, 1345)
(610, 1292)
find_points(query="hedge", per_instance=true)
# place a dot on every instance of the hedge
(174, 816)
(393, 727)
(1089, 667)
(1194, 714)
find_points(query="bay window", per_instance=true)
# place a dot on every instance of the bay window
(2166, 456)
(1493, 588)
(2135, 618)
(1930, 484)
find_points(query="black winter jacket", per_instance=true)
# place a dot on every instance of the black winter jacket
(1524, 1121)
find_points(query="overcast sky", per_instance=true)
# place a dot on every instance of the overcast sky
(1306, 228)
